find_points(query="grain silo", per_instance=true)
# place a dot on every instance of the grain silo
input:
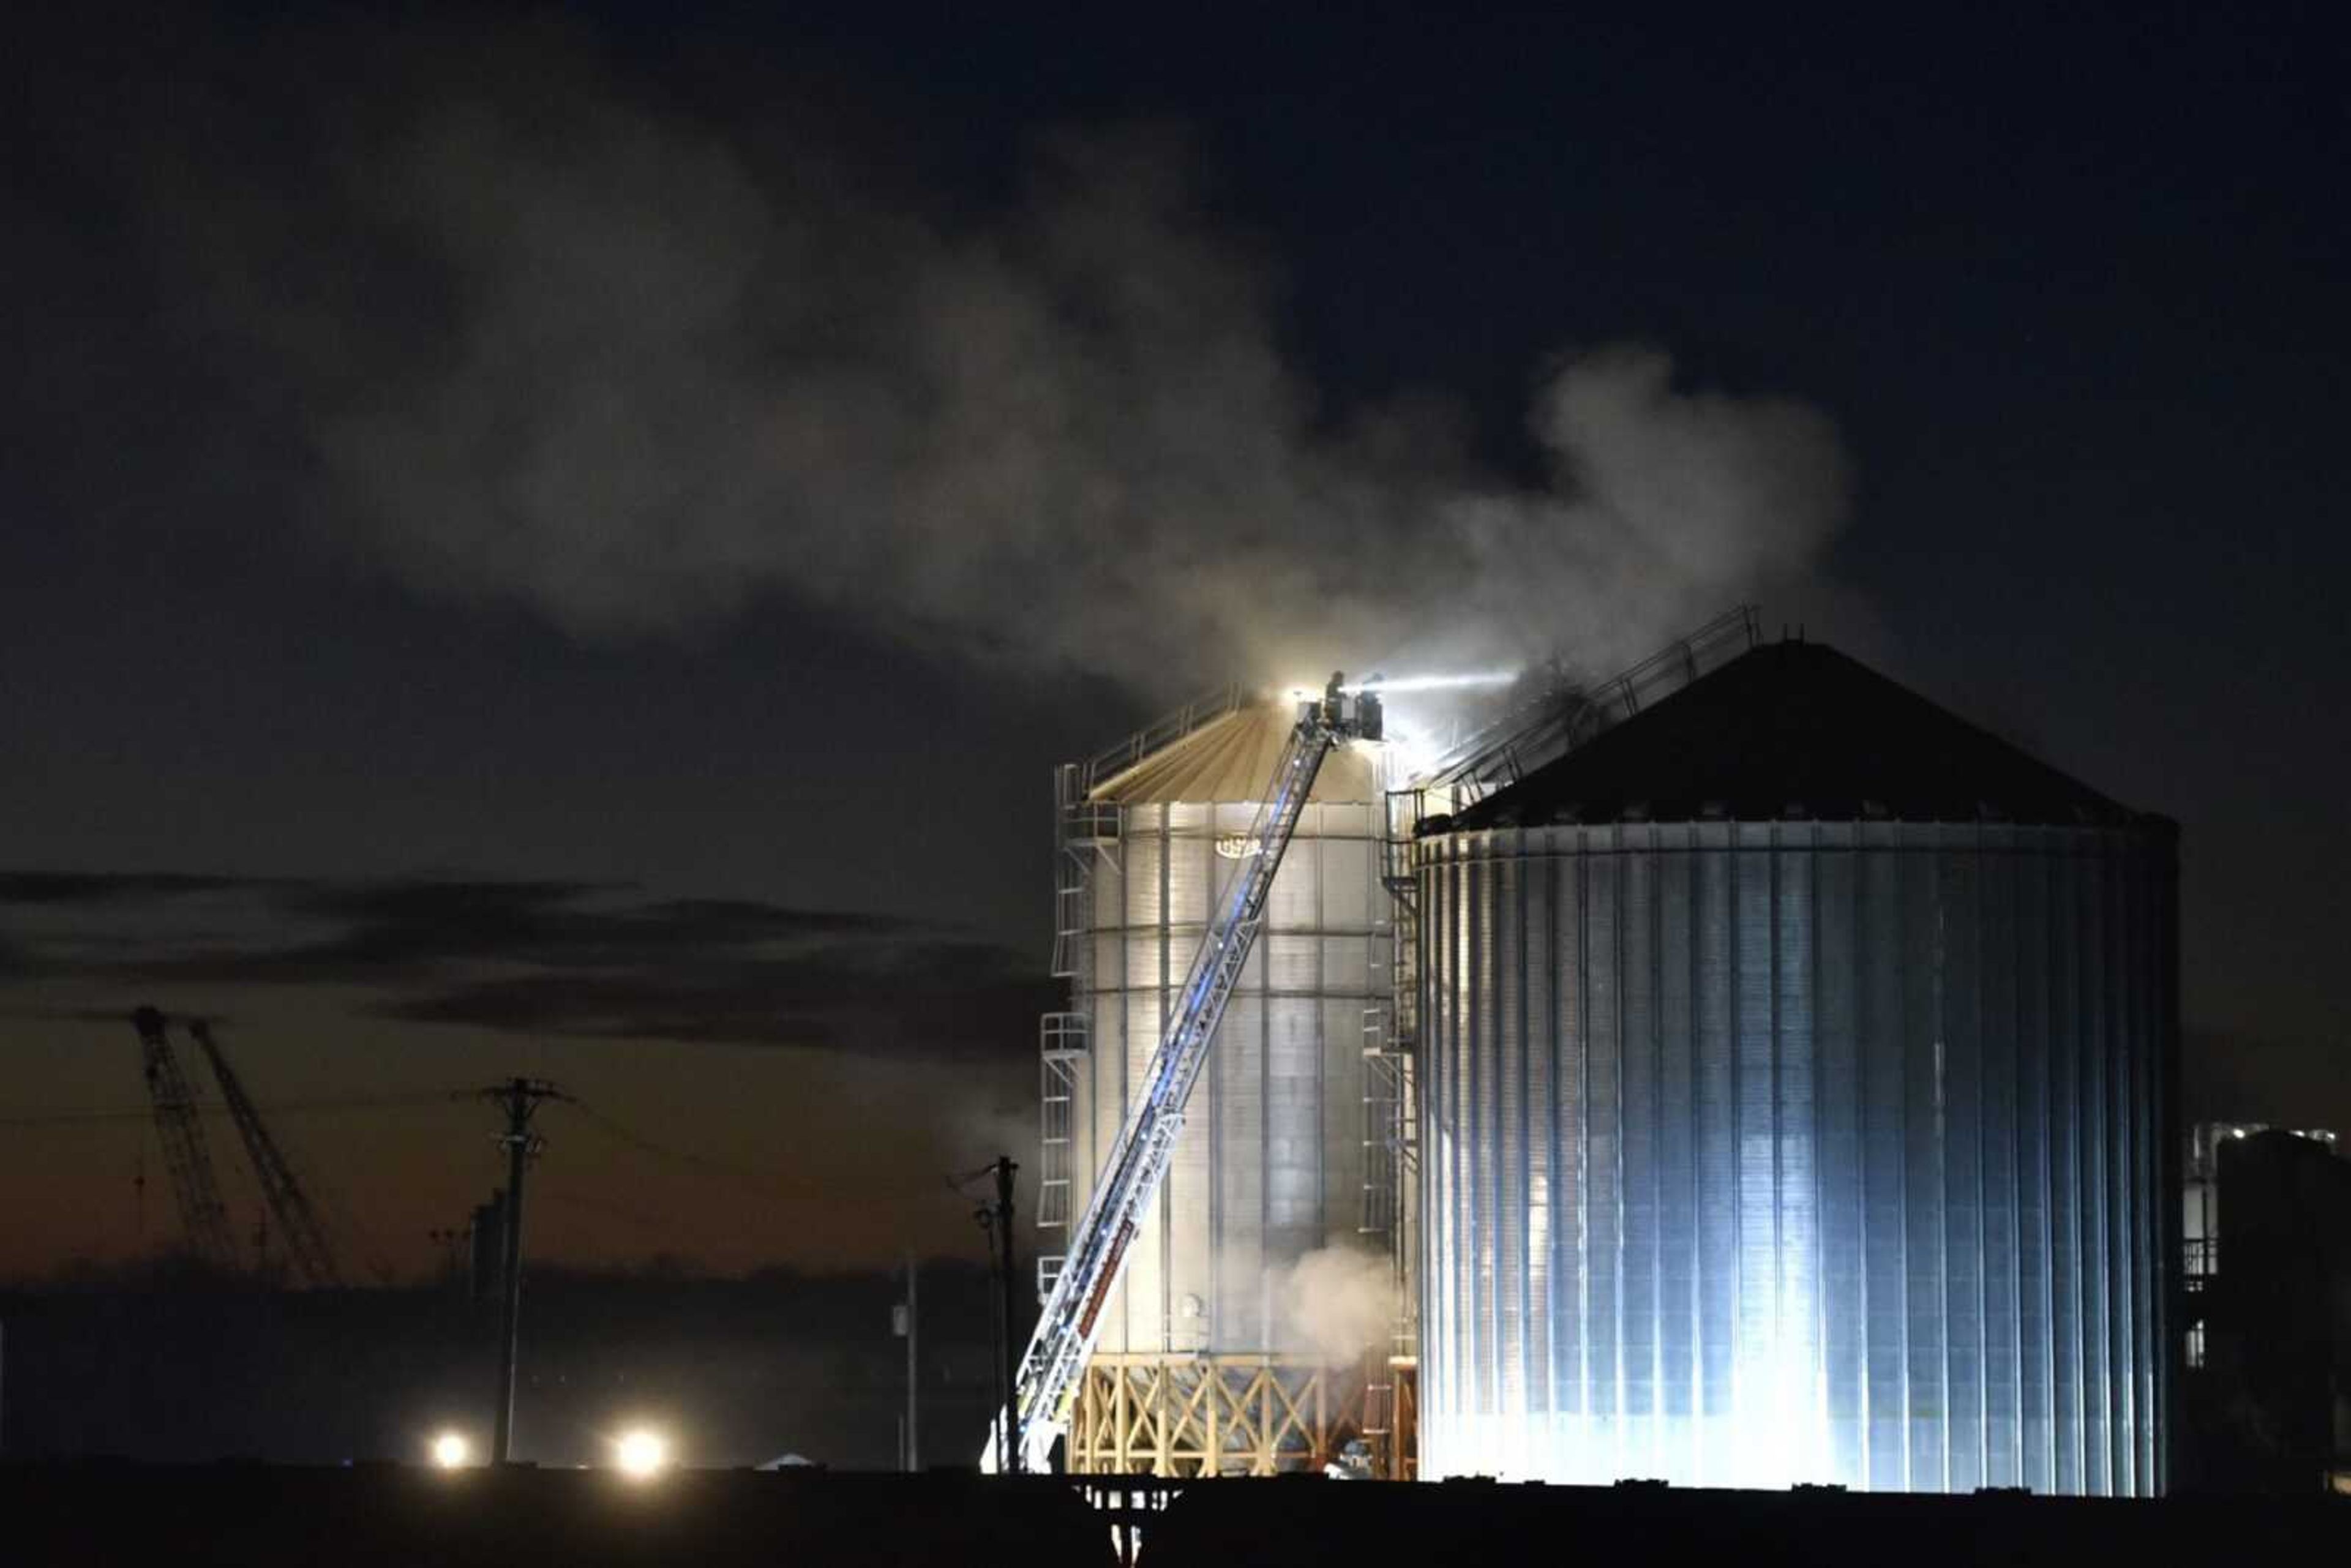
(1201, 1366)
(1796, 1082)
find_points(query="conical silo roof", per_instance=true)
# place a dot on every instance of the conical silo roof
(1797, 729)
(1232, 758)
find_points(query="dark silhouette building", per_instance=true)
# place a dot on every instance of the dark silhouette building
(2268, 1388)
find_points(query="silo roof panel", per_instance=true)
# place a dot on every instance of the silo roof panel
(1232, 758)
(1797, 729)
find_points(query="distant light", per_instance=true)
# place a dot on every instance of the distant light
(451, 1451)
(641, 1454)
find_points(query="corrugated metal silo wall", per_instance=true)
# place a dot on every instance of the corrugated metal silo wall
(1269, 1164)
(1763, 1153)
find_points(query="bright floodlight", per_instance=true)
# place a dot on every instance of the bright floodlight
(451, 1451)
(641, 1454)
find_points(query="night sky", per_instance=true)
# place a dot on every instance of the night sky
(569, 543)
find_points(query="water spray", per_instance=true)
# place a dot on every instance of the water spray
(1385, 684)
(1388, 685)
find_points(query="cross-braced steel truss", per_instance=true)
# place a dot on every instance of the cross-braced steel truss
(1212, 1415)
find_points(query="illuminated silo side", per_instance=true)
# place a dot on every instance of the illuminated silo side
(1199, 1366)
(1795, 1085)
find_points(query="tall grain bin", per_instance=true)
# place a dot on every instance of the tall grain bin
(1796, 1085)
(1201, 1366)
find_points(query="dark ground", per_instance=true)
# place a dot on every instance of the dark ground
(741, 1371)
(201, 1516)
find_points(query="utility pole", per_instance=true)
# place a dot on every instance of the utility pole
(519, 1098)
(446, 1240)
(1000, 1421)
(995, 1223)
(914, 1373)
(1012, 1356)
(907, 1325)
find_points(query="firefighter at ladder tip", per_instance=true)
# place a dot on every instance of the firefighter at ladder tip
(1368, 722)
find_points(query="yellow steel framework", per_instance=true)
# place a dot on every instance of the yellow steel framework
(1212, 1414)
(1399, 1458)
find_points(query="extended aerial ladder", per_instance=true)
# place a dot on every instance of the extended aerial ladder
(1047, 1383)
(297, 1222)
(202, 1214)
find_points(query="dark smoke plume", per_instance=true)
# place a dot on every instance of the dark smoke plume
(544, 332)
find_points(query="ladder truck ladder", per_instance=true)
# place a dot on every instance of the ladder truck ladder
(297, 1222)
(1046, 1385)
(202, 1214)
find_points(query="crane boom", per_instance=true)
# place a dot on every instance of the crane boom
(306, 1238)
(202, 1214)
(1137, 1167)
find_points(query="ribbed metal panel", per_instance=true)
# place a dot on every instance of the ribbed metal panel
(1270, 1166)
(1773, 1151)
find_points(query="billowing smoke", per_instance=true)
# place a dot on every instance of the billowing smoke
(542, 331)
(1337, 1304)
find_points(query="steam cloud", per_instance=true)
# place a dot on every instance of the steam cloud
(1338, 1304)
(544, 333)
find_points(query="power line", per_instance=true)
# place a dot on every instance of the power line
(738, 1175)
(214, 1108)
(664, 1223)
